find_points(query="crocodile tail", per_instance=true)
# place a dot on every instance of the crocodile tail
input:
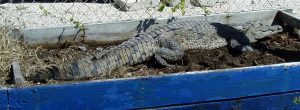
(79, 69)
(131, 52)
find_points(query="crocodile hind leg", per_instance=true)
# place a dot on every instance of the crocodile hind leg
(235, 45)
(169, 50)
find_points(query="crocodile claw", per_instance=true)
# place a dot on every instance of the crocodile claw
(247, 48)
(163, 62)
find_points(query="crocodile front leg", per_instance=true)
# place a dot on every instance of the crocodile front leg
(169, 50)
(236, 46)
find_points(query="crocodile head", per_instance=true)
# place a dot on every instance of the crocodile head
(258, 30)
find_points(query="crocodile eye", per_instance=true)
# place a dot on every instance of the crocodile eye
(256, 25)
(239, 27)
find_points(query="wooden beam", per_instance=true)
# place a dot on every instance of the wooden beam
(291, 20)
(297, 31)
(17, 74)
(280, 101)
(3, 98)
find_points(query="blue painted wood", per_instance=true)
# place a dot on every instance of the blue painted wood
(3, 99)
(283, 101)
(160, 91)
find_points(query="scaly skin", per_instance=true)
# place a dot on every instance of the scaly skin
(166, 43)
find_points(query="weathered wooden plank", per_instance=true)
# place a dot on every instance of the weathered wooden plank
(289, 19)
(192, 87)
(17, 74)
(282, 101)
(110, 33)
(3, 99)
(297, 32)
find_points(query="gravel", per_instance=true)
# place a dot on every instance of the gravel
(37, 15)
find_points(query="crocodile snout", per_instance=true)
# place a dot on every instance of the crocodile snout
(277, 28)
(266, 30)
(274, 28)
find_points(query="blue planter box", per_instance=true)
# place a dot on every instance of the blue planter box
(272, 87)
(262, 87)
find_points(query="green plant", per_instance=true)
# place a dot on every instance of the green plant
(44, 10)
(296, 100)
(206, 11)
(78, 25)
(180, 5)
(162, 7)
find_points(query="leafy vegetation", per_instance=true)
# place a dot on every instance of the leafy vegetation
(45, 12)
(78, 25)
(179, 6)
(296, 100)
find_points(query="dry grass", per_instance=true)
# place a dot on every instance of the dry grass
(13, 49)
(33, 58)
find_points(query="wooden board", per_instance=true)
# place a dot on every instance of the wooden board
(193, 87)
(280, 101)
(116, 32)
(3, 99)
(289, 18)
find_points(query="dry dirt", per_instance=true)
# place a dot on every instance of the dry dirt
(274, 49)
(277, 49)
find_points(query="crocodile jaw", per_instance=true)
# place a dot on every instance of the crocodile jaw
(264, 31)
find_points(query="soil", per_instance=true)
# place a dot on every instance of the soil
(271, 50)
(275, 49)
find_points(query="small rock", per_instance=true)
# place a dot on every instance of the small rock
(283, 37)
(252, 2)
(59, 55)
(255, 63)
(239, 27)
(99, 49)
(134, 5)
(131, 69)
(276, 43)
(2, 7)
(161, 73)
(245, 10)
(82, 48)
(129, 74)
(202, 3)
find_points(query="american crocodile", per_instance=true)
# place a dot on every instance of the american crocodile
(165, 43)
